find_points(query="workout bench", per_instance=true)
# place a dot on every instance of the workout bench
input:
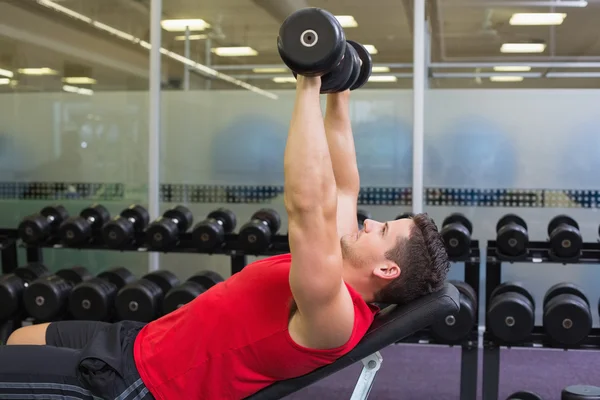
(391, 325)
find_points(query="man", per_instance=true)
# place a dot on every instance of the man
(280, 317)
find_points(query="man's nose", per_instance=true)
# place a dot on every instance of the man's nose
(370, 224)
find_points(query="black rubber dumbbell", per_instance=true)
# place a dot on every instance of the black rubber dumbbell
(580, 392)
(79, 230)
(121, 231)
(163, 233)
(524, 395)
(456, 232)
(405, 215)
(94, 300)
(456, 326)
(189, 290)
(13, 285)
(512, 237)
(511, 313)
(565, 237)
(210, 234)
(255, 236)
(37, 228)
(312, 42)
(142, 300)
(361, 216)
(47, 298)
(567, 316)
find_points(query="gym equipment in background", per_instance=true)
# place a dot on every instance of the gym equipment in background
(121, 231)
(524, 395)
(567, 316)
(163, 234)
(565, 237)
(189, 290)
(361, 216)
(580, 392)
(38, 228)
(142, 300)
(512, 237)
(511, 313)
(209, 234)
(94, 300)
(46, 299)
(456, 232)
(255, 236)
(456, 326)
(79, 230)
(13, 285)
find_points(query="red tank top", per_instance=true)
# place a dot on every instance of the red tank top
(233, 340)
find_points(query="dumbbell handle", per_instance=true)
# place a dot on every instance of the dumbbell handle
(50, 218)
(261, 221)
(91, 219)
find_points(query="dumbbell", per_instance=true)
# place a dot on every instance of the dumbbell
(163, 233)
(94, 300)
(47, 298)
(121, 231)
(567, 316)
(189, 290)
(457, 325)
(142, 300)
(511, 312)
(75, 231)
(361, 216)
(13, 285)
(405, 216)
(210, 233)
(580, 392)
(524, 395)
(456, 232)
(312, 42)
(512, 238)
(37, 228)
(565, 237)
(255, 235)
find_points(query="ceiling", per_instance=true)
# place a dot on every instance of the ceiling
(461, 31)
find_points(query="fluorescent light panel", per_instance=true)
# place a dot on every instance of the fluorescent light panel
(78, 90)
(4, 81)
(523, 48)
(371, 49)
(506, 78)
(5, 72)
(192, 37)
(242, 51)
(37, 71)
(269, 70)
(537, 18)
(180, 25)
(380, 69)
(347, 21)
(284, 79)
(79, 80)
(383, 78)
(511, 68)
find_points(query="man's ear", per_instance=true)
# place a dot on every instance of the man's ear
(388, 270)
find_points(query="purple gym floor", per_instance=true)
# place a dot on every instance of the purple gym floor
(422, 372)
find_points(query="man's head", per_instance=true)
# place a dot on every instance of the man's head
(396, 261)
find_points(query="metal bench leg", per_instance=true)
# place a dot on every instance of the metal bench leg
(371, 365)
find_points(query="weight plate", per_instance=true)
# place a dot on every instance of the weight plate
(92, 300)
(207, 235)
(580, 392)
(511, 218)
(74, 231)
(31, 272)
(254, 237)
(311, 41)
(34, 229)
(366, 65)
(181, 295)
(512, 239)
(138, 215)
(162, 234)
(564, 288)
(566, 241)
(118, 276)
(355, 69)
(227, 217)
(456, 326)
(166, 280)
(405, 215)
(57, 212)
(46, 298)
(75, 275)
(97, 215)
(459, 219)
(513, 287)
(559, 220)
(271, 216)
(11, 291)
(457, 239)
(567, 319)
(333, 81)
(466, 289)
(511, 317)
(183, 215)
(139, 301)
(524, 395)
(206, 279)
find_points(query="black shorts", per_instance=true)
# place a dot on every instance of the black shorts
(82, 360)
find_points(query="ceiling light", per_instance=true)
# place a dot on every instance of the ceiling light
(192, 37)
(512, 68)
(284, 79)
(269, 70)
(380, 69)
(523, 47)
(4, 81)
(371, 49)
(347, 21)
(382, 78)
(506, 78)
(5, 72)
(537, 18)
(180, 25)
(78, 90)
(79, 80)
(37, 71)
(234, 51)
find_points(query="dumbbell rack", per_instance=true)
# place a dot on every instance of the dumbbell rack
(469, 349)
(539, 253)
(8, 250)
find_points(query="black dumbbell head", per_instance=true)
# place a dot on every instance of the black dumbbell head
(456, 326)
(311, 41)
(31, 272)
(210, 233)
(97, 215)
(181, 295)
(162, 234)
(227, 218)
(564, 288)
(183, 215)
(75, 275)
(139, 301)
(118, 233)
(366, 65)
(335, 80)
(511, 235)
(34, 229)
(46, 298)
(271, 217)
(362, 215)
(580, 392)
(355, 69)
(565, 237)
(139, 216)
(206, 279)
(457, 218)
(92, 300)
(11, 292)
(524, 395)
(166, 280)
(74, 231)
(510, 219)
(118, 276)
(457, 239)
(567, 316)
(561, 220)
(511, 312)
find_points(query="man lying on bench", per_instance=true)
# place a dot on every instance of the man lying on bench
(279, 318)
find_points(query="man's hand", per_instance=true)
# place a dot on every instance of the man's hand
(343, 157)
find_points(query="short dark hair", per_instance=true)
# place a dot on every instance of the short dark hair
(423, 260)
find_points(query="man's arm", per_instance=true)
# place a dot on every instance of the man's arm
(343, 157)
(325, 311)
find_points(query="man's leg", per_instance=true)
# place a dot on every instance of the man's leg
(71, 334)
